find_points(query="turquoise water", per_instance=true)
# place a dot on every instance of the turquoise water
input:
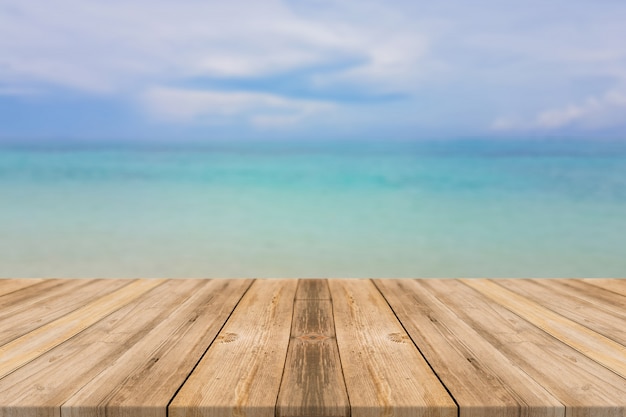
(352, 210)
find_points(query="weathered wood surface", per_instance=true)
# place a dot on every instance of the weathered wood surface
(148, 374)
(617, 286)
(241, 372)
(43, 304)
(337, 348)
(385, 373)
(11, 285)
(313, 383)
(584, 386)
(595, 346)
(576, 304)
(482, 380)
(25, 348)
(42, 386)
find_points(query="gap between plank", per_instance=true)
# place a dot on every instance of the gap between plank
(135, 282)
(282, 376)
(167, 407)
(458, 408)
(577, 345)
(343, 376)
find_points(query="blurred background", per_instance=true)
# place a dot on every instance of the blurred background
(312, 139)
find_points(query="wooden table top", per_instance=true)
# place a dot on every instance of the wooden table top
(338, 347)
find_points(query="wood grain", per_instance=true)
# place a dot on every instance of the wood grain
(146, 377)
(483, 382)
(384, 372)
(41, 387)
(558, 296)
(610, 301)
(600, 348)
(582, 385)
(29, 292)
(241, 372)
(49, 304)
(617, 286)
(314, 348)
(31, 345)
(33, 296)
(10, 285)
(312, 289)
(312, 383)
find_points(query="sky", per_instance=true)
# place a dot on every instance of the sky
(296, 69)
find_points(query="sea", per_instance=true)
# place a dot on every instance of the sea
(304, 209)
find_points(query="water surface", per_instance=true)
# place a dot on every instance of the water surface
(468, 209)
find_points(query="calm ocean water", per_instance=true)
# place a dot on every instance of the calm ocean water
(441, 209)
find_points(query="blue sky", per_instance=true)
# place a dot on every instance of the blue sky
(198, 69)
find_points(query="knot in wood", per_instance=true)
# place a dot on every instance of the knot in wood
(227, 337)
(398, 337)
(312, 337)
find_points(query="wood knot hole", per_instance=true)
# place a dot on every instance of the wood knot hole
(227, 337)
(312, 337)
(398, 337)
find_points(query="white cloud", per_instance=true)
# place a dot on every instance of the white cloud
(114, 46)
(505, 123)
(604, 111)
(453, 59)
(555, 118)
(143, 51)
(395, 63)
(259, 109)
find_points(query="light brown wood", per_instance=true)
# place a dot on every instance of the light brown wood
(41, 387)
(146, 377)
(49, 304)
(583, 386)
(287, 348)
(483, 382)
(600, 348)
(29, 292)
(35, 295)
(8, 286)
(31, 345)
(559, 297)
(617, 286)
(241, 372)
(313, 289)
(604, 299)
(384, 372)
(312, 383)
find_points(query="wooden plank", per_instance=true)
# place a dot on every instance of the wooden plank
(384, 372)
(41, 387)
(33, 297)
(146, 377)
(482, 381)
(562, 299)
(596, 346)
(31, 345)
(132, 360)
(582, 385)
(50, 304)
(617, 286)
(241, 372)
(26, 294)
(8, 286)
(312, 383)
(611, 301)
(312, 289)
